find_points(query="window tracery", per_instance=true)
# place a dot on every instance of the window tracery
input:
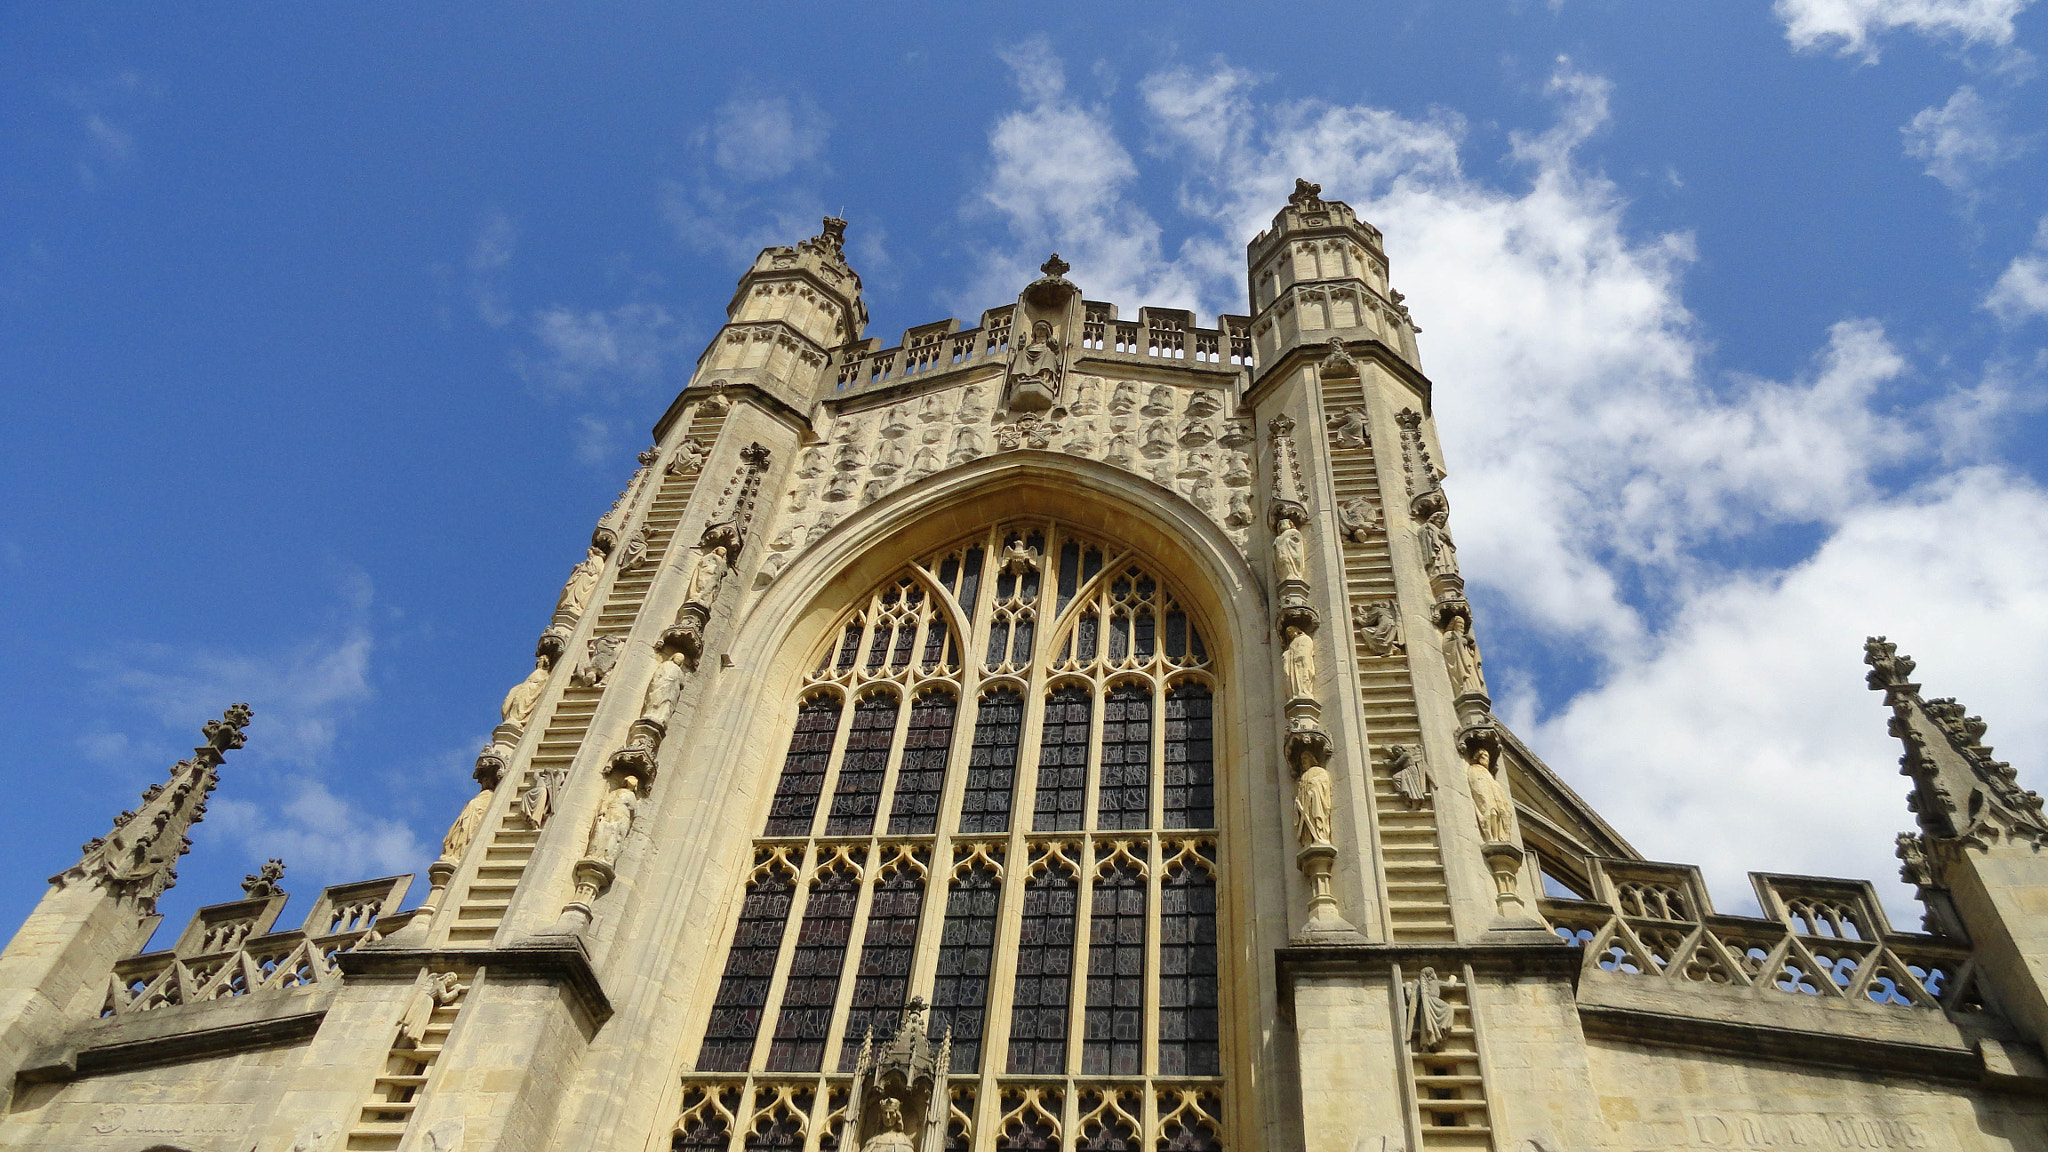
(1074, 947)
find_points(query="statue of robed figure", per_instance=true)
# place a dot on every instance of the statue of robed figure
(899, 1100)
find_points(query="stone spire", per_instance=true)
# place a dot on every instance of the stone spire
(138, 858)
(1318, 276)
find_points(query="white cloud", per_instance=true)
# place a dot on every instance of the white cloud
(496, 239)
(607, 352)
(2021, 292)
(106, 109)
(318, 832)
(1597, 457)
(1960, 142)
(1851, 27)
(757, 137)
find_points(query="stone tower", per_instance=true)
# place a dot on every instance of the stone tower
(1066, 731)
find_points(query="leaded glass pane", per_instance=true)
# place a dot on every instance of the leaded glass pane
(992, 763)
(921, 778)
(821, 938)
(1124, 795)
(803, 769)
(1045, 972)
(1114, 1045)
(749, 965)
(859, 791)
(1062, 761)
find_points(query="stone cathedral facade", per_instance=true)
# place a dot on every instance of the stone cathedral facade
(1062, 732)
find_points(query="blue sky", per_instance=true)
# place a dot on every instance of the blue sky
(324, 338)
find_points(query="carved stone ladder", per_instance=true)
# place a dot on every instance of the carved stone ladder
(1418, 896)
(1448, 1086)
(512, 844)
(396, 1093)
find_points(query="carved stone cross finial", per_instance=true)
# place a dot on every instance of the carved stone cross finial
(1305, 193)
(263, 882)
(1054, 266)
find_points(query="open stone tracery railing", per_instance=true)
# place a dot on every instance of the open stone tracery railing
(1820, 938)
(229, 950)
(1157, 334)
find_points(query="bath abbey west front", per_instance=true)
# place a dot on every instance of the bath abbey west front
(1063, 732)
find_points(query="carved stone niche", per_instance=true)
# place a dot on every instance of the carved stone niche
(898, 1099)
(1043, 332)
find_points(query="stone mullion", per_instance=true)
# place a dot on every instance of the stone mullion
(849, 965)
(1154, 881)
(1077, 983)
(792, 926)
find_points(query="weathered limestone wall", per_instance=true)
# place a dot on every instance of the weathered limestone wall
(203, 1104)
(1654, 1099)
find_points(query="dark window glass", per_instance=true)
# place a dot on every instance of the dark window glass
(970, 579)
(803, 769)
(936, 634)
(1187, 973)
(1124, 798)
(882, 985)
(1111, 1132)
(921, 778)
(966, 947)
(1176, 634)
(1114, 1045)
(813, 984)
(998, 641)
(1045, 974)
(849, 645)
(1031, 1129)
(859, 791)
(706, 1131)
(1062, 761)
(992, 763)
(736, 1014)
(784, 1131)
(1190, 800)
(1184, 1133)
(1070, 574)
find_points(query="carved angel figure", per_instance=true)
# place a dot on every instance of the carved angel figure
(1913, 866)
(582, 582)
(520, 701)
(1411, 777)
(923, 464)
(888, 457)
(1300, 660)
(439, 991)
(1312, 806)
(1378, 623)
(971, 410)
(1490, 801)
(1428, 1013)
(1119, 452)
(1087, 396)
(537, 803)
(464, 829)
(1158, 440)
(966, 446)
(1356, 520)
(1290, 553)
(1240, 513)
(1123, 399)
(1159, 402)
(811, 462)
(689, 458)
(613, 820)
(1350, 429)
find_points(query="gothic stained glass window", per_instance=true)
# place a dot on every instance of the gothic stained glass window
(1045, 969)
(749, 965)
(1188, 1023)
(799, 1044)
(882, 985)
(1124, 793)
(1114, 1045)
(1026, 639)
(859, 791)
(803, 769)
(1190, 797)
(921, 780)
(992, 763)
(960, 994)
(1062, 761)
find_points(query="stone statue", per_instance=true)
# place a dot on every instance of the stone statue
(896, 423)
(1429, 1014)
(1087, 396)
(1290, 553)
(660, 701)
(537, 803)
(1119, 452)
(811, 462)
(1019, 558)
(1159, 402)
(1438, 551)
(705, 576)
(1240, 513)
(1123, 399)
(1490, 801)
(933, 409)
(841, 486)
(1312, 806)
(464, 830)
(614, 819)
(1411, 776)
(1350, 429)
(1039, 362)
(1461, 656)
(520, 701)
(888, 457)
(1914, 868)
(1301, 665)
(850, 458)
(440, 990)
(1378, 624)
(924, 463)
(891, 1138)
(582, 582)
(966, 446)
(1082, 442)
(1355, 519)
(689, 458)
(601, 654)
(1158, 440)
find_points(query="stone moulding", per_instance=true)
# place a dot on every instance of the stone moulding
(556, 960)
(181, 1033)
